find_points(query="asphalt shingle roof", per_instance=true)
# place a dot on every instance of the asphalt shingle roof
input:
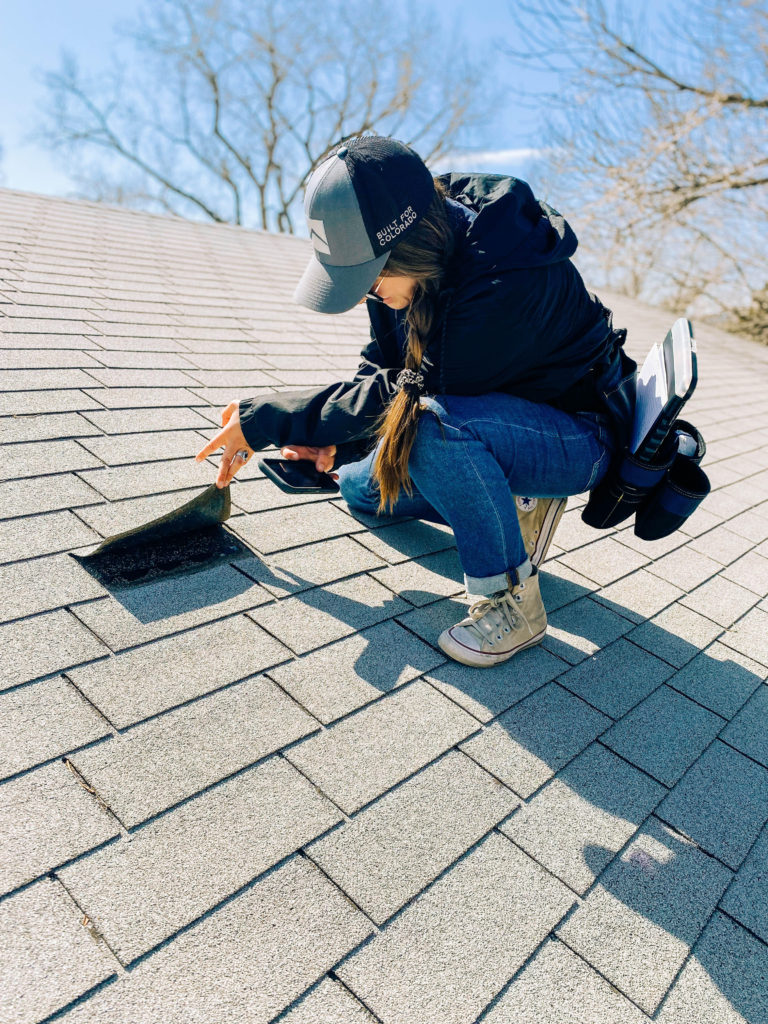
(259, 792)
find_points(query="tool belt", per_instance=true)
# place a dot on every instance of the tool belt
(661, 493)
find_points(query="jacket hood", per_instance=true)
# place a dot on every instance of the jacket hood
(511, 229)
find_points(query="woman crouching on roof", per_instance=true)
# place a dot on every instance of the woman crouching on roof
(491, 373)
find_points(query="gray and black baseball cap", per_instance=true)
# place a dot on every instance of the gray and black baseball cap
(360, 202)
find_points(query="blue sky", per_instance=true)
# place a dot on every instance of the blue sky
(33, 34)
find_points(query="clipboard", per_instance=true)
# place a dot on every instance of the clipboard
(665, 382)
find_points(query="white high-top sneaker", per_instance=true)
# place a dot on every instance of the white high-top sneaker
(498, 626)
(538, 518)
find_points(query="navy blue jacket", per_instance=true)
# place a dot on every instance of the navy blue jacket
(514, 316)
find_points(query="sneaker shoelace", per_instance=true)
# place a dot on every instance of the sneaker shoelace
(486, 623)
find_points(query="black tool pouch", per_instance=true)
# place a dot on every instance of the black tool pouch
(626, 486)
(662, 492)
(682, 490)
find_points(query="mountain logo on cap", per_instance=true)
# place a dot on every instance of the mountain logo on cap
(318, 235)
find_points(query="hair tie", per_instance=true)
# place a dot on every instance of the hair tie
(411, 382)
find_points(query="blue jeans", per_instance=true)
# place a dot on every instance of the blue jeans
(471, 456)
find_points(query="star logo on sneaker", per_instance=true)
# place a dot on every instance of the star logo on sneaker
(526, 504)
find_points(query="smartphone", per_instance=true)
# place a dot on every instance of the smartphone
(299, 477)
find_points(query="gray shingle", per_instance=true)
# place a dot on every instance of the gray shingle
(25, 656)
(155, 765)
(638, 596)
(129, 421)
(676, 634)
(664, 734)
(426, 579)
(721, 803)
(42, 721)
(41, 584)
(639, 922)
(46, 818)
(27, 497)
(29, 403)
(486, 694)
(144, 681)
(720, 600)
(347, 674)
(582, 628)
(685, 568)
(399, 844)
(527, 744)
(750, 571)
(243, 964)
(582, 817)
(43, 535)
(32, 380)
(139, 398)
(37, 458)
(158, 446)
(752, 525)
(287, 528)
(141, 378)
(48, 958)
(236, 380)
(747, 897)
(135, 481)
(719, 678)
(317, 617)
(557, 987)
(288, 572)
(723, 544)
(141, 360)
(262, 495)
(604, 560)
(27, 359)
(616, 678)
(750, 636)
(748, 731)
(17, 339)
(135, 615)
(452, 950)
(724, 982)
(358, 759)
(146, 887)
(560, 585)
(329, 1002)
(41, 428)
(400, 541)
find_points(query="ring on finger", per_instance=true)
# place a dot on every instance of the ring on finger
(242, 454)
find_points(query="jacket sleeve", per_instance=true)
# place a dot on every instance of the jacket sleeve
(334, 414)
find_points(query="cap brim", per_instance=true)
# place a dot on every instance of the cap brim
(330, 289)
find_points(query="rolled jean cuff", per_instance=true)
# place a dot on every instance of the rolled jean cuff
(484, 586)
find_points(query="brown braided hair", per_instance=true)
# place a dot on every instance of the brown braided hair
(424, 254)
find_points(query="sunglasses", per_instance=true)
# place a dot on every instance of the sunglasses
(372, 294)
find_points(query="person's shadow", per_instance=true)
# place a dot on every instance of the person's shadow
(650, 894)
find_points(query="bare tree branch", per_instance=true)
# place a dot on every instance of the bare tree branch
(222, 109)
(658, 135)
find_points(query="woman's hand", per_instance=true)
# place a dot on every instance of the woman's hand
(322, 457)
(232, 440)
